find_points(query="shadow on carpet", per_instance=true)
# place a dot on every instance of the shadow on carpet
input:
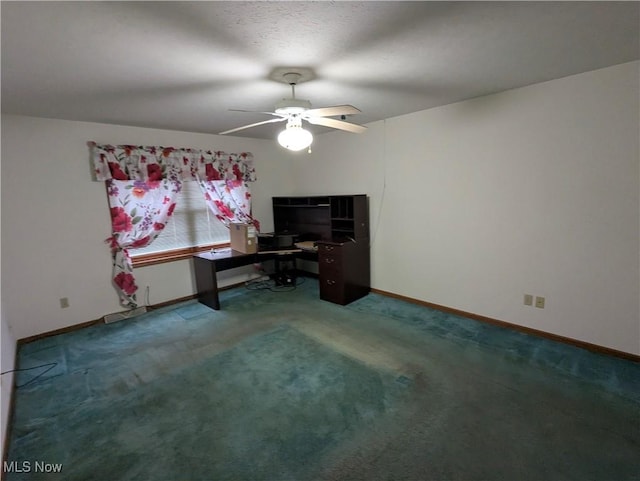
(270, 408)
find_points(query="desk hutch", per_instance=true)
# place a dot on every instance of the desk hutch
(340, 226)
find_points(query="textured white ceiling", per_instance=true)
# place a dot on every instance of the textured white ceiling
(182, 65)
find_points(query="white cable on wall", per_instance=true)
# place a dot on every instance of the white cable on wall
(374, 235)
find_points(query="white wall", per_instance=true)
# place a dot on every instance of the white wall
(533, 190)
(54, 223)
(7, 363)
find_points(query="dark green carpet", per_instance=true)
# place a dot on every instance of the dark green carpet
(283, 386)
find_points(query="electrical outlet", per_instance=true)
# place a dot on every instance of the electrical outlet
(540, 302)
(528, 300)
(64, 302)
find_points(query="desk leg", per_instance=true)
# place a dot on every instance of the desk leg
(206, 283)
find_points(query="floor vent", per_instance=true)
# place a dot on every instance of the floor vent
(121, 316)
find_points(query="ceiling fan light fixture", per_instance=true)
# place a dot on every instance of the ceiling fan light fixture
(295, 138)
(294, 111)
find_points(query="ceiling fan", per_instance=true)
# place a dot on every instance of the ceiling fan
(294, 111)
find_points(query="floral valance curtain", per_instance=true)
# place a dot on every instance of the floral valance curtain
(153, 163)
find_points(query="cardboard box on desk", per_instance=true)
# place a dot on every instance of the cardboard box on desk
(244, 238)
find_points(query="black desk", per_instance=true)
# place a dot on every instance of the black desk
(208, 264)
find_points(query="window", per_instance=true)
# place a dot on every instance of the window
(191, 228)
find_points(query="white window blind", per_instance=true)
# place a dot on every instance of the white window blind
(191, 225)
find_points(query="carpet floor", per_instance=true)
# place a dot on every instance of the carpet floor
(281, 386)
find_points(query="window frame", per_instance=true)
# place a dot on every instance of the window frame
(173, 255)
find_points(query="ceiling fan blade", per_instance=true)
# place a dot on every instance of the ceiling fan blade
(257, 112)
(331, 111)
(253, 125)
(337, 124)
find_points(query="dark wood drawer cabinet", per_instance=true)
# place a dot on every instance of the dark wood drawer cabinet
(343, 271)
(330, 273)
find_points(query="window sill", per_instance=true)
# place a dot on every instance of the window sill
(144, 260)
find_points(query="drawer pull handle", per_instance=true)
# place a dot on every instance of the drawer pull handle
(330, 282)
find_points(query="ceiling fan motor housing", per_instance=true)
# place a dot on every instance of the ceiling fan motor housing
(292, 106)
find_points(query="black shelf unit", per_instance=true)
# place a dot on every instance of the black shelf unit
(349, 217)
(307, 218)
